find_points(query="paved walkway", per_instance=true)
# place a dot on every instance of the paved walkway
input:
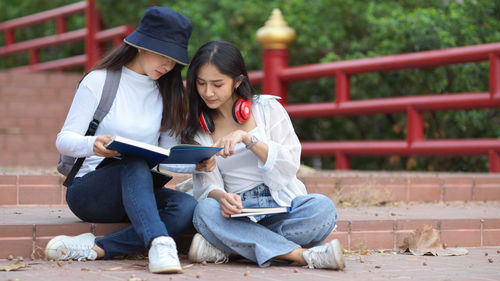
(376, 266)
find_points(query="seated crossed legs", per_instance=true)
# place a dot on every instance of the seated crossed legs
(294, 236)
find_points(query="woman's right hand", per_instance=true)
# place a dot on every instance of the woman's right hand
(230, 204)
(100, 147)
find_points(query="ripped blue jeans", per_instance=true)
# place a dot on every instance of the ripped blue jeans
(311, 219)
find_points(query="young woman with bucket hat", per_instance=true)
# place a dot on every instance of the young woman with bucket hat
(150, 106)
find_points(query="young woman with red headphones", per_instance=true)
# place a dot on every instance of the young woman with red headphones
(256, 168)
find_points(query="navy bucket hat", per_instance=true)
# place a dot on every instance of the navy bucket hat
(163, 31)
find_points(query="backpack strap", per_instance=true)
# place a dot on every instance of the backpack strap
(107, 97)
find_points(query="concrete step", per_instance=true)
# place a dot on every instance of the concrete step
(24, 231)
(44, 187)
(376, 209)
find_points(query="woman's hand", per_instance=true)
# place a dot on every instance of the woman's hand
(229, 141)
(230, 204)
(100, 147)
(206, 165)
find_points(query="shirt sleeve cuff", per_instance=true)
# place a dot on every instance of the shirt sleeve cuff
(271, 157)
(90, 145)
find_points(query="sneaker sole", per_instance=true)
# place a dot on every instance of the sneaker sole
(166, 269)
(338, 254)
(195, 244)
(59, 238)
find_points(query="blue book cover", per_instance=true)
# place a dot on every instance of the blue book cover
(178, 154)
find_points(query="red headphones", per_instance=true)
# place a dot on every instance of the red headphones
(241, 112)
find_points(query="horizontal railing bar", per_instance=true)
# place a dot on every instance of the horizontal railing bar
(55, 64)
(400, 147)
(256, 77)
(59, 39)
(393, 105)
(394, 62)
(108, 34)
(42, 42)
(44, 16)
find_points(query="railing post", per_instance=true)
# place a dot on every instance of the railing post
(495, 76)
(91, 44)
(494, 161)
(34, 59)
(342, 87)
(342, 162)
(9, 37)
(415, 125)
(275, 36)
(60, 25)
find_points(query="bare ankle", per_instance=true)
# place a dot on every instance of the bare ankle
(100, 251)
(295, 256)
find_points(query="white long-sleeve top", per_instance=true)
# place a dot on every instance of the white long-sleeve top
(242, 171)
(136, 113)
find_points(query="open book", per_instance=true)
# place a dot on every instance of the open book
(261, 211)
(178, 154)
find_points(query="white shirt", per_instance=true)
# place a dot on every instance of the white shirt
(136, 113)
(279, 173)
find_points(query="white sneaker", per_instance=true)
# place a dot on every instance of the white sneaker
(163, 256)
(64, 247)
(201, 250)
(328, 255)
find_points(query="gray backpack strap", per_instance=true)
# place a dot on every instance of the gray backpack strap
(107, 97)
(108, 93)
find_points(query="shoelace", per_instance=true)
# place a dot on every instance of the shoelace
(220, 257)
(172, 253)
(318, 257)
(78, 252)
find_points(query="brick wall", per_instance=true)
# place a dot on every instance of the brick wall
(32, 110)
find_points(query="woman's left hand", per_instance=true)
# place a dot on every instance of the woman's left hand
(229, 141)
(206, 165)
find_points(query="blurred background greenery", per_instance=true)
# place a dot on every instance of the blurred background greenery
(333, 30)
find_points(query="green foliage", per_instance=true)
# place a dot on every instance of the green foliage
(334, 30)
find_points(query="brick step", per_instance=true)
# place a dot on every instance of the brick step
(45, 188)
(24, 231)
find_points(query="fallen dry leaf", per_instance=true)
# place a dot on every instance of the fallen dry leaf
(486, 254)
(10, 257)
(187, 266)
(362, 259)
(378, 266)
(490, 260)
(426, 240)
(246, 273)
(295, 270)
(13, 266)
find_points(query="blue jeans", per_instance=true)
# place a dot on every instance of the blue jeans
(123, 192)
(311, 219)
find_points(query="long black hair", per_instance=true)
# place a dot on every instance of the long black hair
(229, 61)
(170, 87)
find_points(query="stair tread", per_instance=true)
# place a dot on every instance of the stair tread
(27, 215)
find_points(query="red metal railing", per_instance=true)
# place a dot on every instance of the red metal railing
(92, 35)
(276, 75)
